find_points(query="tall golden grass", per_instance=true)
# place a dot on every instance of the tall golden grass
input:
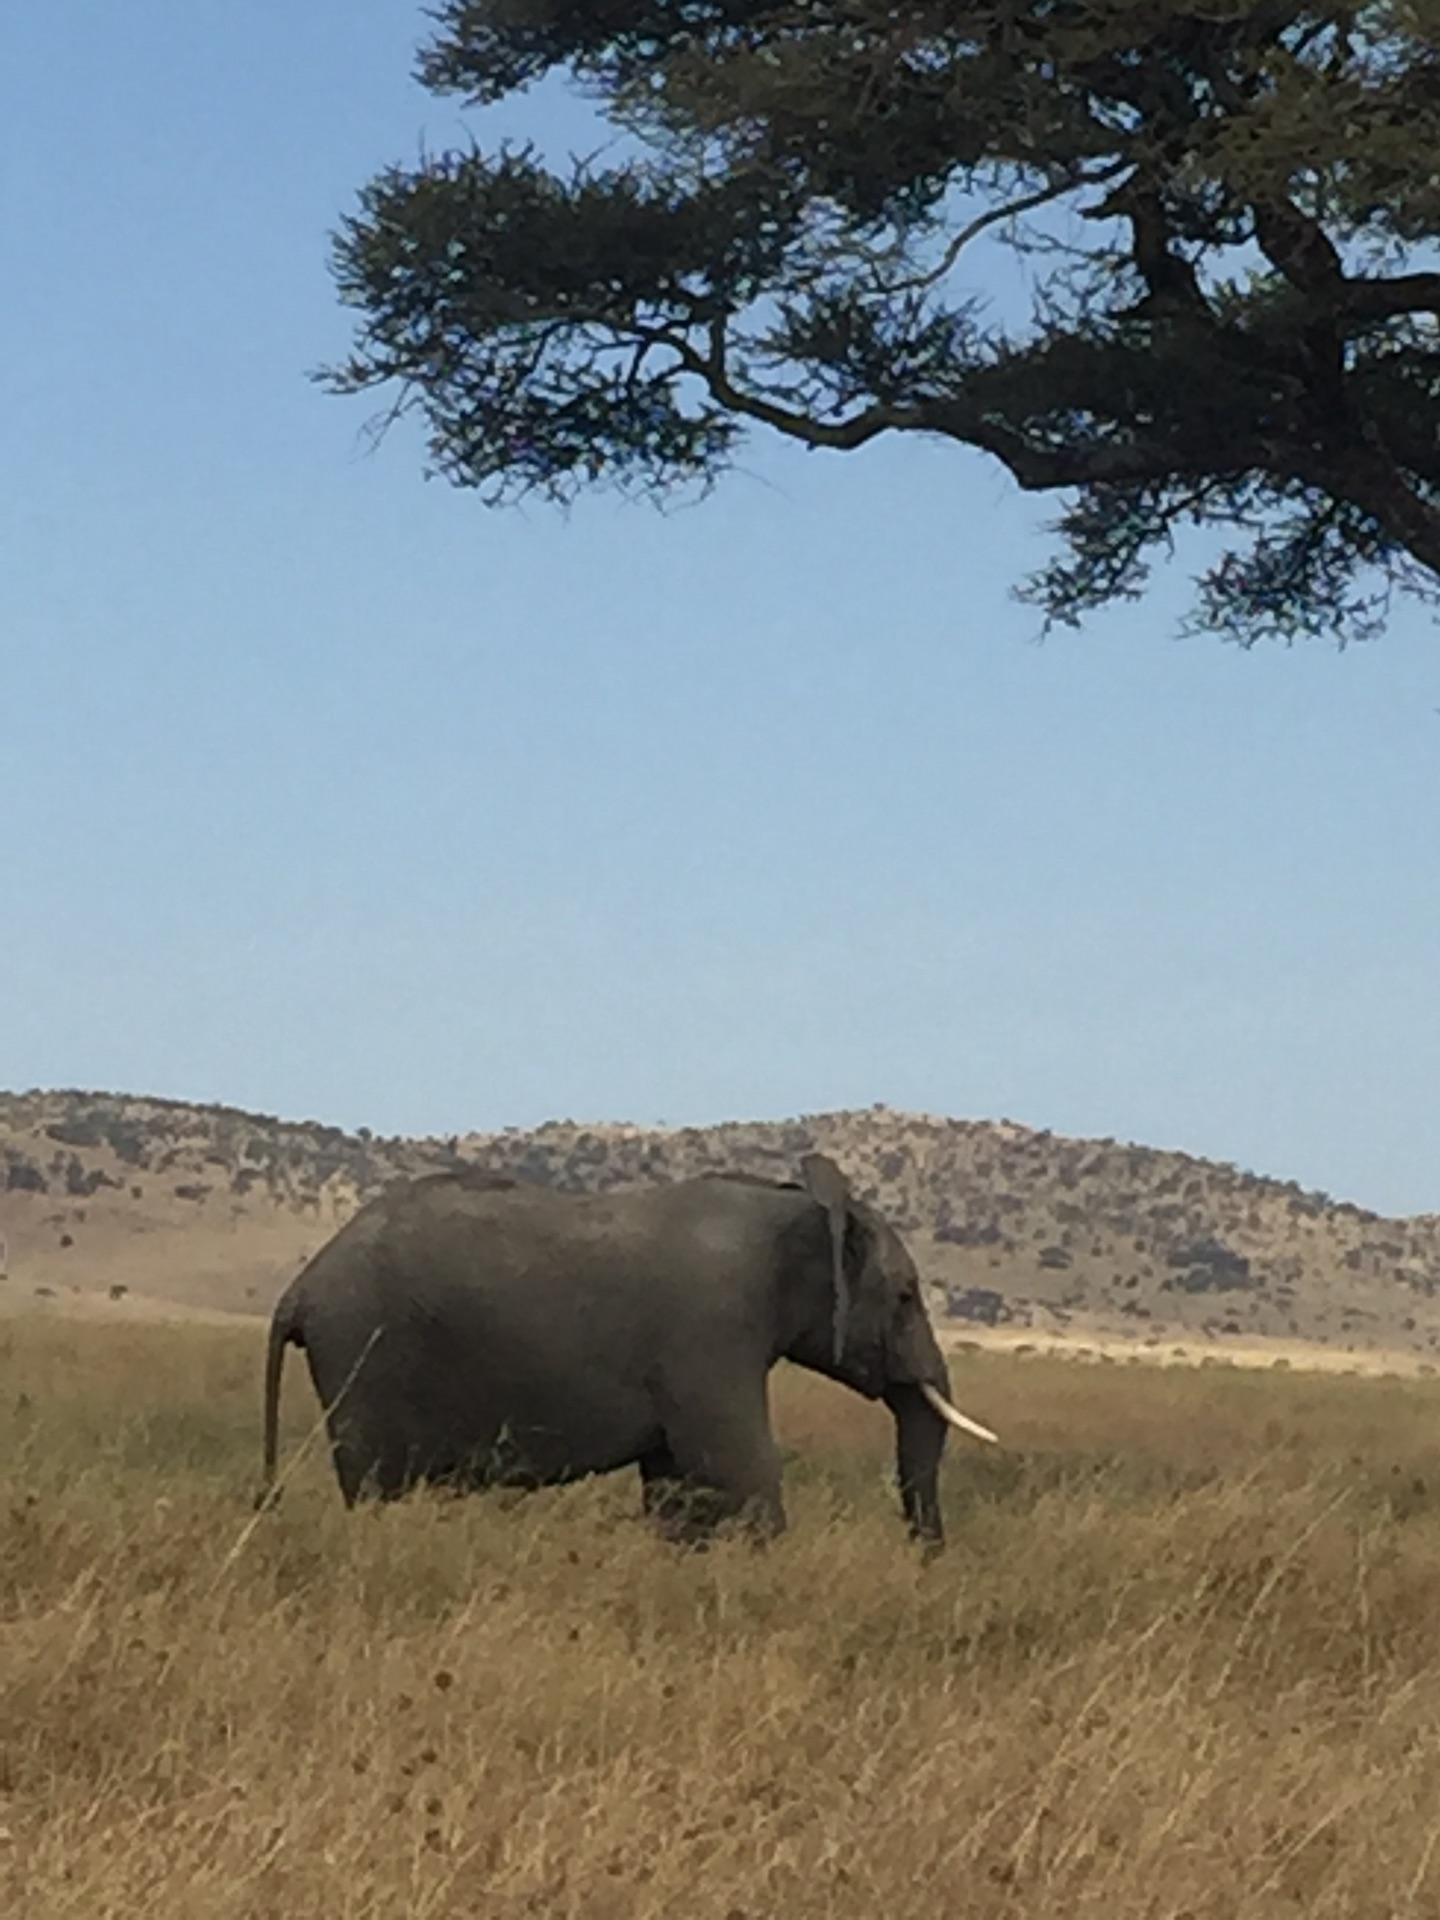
(1182, 1661)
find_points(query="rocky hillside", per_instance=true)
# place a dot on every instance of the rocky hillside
(1013, 1228)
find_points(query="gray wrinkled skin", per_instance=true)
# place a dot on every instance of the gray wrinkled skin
(470, 1331)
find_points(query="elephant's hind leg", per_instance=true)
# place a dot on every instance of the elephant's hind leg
(664, 1494)
(351, 1470)
(366, 1469)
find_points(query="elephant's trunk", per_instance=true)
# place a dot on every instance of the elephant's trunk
(919, 1442)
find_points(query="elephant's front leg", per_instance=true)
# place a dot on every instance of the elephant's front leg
(722, 1462)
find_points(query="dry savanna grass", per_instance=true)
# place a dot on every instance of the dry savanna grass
(1182, 1659)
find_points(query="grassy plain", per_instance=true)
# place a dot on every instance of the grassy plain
(1182, 1661)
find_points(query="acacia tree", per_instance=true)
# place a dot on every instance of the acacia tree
(1225, 215)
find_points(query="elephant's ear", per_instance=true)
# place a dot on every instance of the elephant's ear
(825, 1183)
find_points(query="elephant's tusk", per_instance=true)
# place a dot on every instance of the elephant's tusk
(954, 1416)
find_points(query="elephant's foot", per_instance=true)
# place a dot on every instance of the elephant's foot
(688, 1513)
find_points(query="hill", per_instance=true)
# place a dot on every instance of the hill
(1018, 1232)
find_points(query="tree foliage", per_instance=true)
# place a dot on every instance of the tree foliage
(1224, 215)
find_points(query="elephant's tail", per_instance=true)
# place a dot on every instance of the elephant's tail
(284, 1328)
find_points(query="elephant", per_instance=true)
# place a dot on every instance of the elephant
(468, 1330)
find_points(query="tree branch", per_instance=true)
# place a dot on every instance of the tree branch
(977, 419)
(1388, 299)
(1377, 486)
(1298, 247)
(1010, 210)
(713, 369)
(1170, 280)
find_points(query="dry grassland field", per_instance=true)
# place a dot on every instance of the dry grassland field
(1181, 1661)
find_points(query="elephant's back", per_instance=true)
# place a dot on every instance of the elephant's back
(521, 1223)
(450, 1243)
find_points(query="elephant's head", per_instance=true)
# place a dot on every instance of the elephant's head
(881, 1342)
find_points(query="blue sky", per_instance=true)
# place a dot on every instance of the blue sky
(327, 792)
